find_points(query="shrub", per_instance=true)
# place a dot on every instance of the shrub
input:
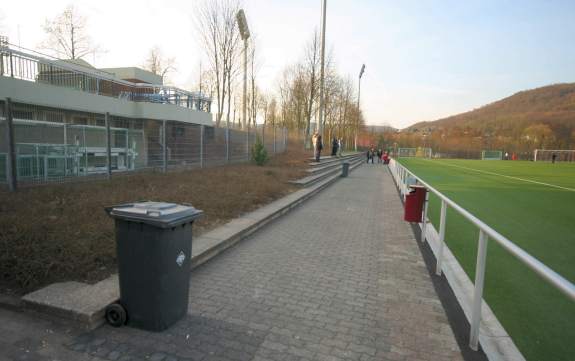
(259, 152)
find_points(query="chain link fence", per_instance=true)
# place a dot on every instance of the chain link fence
(47, 145)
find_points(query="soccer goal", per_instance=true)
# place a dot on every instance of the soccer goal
(491, 155)
(414, 152)
(561, 155)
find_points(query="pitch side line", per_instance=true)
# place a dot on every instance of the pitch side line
(511, 177)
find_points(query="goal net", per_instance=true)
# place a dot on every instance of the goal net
(561, 155)
(414, 152)
(491, 155)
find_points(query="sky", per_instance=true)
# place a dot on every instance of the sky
(424, 59)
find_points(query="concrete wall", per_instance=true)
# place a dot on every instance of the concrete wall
(58, 97)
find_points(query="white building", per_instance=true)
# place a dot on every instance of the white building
(59, 110)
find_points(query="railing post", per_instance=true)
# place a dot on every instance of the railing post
(109, 144)
(441, 237)
(201, 146)
(165, 149)
(402, 178)
(11, 159)
(11, 66)
(424, 221)
(478, 293)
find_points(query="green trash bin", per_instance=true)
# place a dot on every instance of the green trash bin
(154, 248)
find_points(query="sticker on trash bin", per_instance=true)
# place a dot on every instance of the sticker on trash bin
(181, 258)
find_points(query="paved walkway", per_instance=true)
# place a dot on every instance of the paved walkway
(339, 278)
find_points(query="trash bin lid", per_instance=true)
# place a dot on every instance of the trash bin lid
(159, 214)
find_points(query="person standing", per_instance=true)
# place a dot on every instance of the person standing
(334, 146)
(371, 154)
(553, 157)
(318, 147)
(339, 147)
(379, 154)
(314, 144)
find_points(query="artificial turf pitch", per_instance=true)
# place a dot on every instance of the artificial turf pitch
(533, 205)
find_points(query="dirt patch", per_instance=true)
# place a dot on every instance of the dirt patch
(61, 233)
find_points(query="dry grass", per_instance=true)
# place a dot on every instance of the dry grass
(61, 232)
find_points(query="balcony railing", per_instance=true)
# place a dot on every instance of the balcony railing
(24, 66)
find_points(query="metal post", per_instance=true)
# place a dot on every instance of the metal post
(201, 146)
(322, 69)
(248, 142)
(109, 144)
(478, 294)
(402, 178)
(228, 143)
(11, 160)
(424, 221)
(165, 149)
(357, 125)
(85, 151)
(11, 66)
(127, 149)
(274, 138)
(244, 106)
(65, 128)
(441, 237)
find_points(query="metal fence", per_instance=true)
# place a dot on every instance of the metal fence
(41, 145)
(29, 67)
(403, 178)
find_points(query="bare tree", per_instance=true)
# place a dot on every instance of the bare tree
(311, 63)
(216, 24)
(67, 35)
(159, 64)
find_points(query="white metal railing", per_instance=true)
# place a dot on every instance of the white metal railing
(401, 176)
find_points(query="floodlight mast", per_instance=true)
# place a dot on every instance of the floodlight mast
(358, 96)
(245, 34)
(321, 71)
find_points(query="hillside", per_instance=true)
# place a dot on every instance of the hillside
(552, 105)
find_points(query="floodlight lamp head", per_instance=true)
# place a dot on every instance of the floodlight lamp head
(243, 24)
(362, 70)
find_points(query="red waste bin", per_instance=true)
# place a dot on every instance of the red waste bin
(414, 203)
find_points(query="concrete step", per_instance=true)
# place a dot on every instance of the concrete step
(329, 159)
(324, 167)
(314, 178)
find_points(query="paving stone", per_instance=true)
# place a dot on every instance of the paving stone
(158, 356)
(113, 356)
(339, 278)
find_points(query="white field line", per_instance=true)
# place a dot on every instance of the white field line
(510, 177)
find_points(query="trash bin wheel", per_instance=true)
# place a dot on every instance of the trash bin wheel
(116, 315)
